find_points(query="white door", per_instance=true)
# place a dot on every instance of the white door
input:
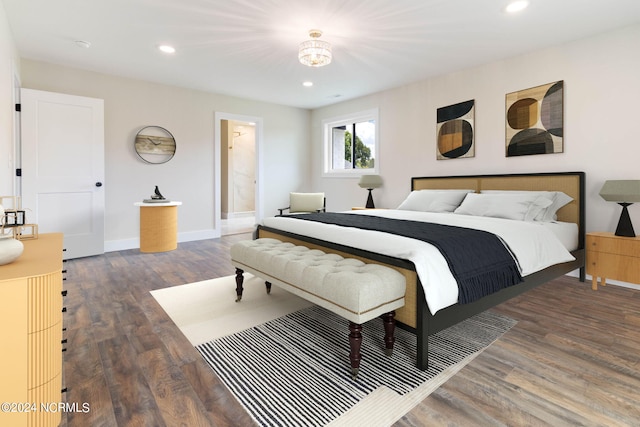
(63, 168)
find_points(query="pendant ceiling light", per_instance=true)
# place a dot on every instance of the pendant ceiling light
(315, 52)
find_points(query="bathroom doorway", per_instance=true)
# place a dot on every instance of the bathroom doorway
(238, 155)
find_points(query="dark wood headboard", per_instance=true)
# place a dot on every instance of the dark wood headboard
(571, 183)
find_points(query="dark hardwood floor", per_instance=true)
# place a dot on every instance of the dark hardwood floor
(125, 357)
(572, 359)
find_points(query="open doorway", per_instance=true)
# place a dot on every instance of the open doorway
(238, 192)
(238, 180)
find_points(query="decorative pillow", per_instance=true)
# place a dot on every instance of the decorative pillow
(558, 200)
(521, 207)
(434, 200)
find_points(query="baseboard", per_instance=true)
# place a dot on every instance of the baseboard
(238, 215)
(121, 245)
(189, 236)
(575, 273)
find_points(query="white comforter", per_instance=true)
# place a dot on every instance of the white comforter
(534, 246)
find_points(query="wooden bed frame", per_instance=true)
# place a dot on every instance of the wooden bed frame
(415, 315)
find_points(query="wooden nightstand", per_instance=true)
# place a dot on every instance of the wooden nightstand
(613, 257)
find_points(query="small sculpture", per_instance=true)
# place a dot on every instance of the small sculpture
(157, 195)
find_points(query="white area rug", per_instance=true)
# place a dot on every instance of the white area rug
(206, 311)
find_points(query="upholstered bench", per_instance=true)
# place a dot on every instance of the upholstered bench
(352, 289)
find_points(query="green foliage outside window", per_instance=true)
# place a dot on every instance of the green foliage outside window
(362, 152)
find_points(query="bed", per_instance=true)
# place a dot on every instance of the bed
(416, 315)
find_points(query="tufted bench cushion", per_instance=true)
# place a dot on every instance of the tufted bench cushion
(348, 287)
(352, 289)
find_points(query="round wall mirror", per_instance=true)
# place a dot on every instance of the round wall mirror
(155, 144)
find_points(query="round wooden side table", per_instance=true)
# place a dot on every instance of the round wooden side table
(158, 226)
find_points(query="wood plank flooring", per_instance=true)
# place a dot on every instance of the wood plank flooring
(125, 357)
(572, 359)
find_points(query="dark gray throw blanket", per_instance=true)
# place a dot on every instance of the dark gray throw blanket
(478, 260)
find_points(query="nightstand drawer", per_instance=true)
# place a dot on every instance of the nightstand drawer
(614, 245)
(612, 266)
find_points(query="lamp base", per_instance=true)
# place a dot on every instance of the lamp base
(625, 228)
(370, 204)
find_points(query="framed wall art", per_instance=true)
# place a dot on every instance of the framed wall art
(455, 131)
(535, 120)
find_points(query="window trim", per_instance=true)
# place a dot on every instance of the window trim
(348, 119)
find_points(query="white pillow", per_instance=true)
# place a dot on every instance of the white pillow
(434, 200)
(521, 207)
(558, 200)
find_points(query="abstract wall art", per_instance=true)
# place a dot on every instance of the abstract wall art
(455, 131)
(534, 120)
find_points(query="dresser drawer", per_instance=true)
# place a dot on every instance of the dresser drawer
(614, 245)
(612, 266)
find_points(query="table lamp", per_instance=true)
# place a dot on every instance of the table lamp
(625, 193)
(370, 182)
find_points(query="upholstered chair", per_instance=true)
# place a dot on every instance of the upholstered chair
(305, 203)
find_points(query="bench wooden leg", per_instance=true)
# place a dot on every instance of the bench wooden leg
(239, 281)
(389, 320)
(268, 285)
(355, 342)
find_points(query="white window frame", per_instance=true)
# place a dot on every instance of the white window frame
(348, 119)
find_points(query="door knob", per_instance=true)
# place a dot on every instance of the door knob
(98, 184)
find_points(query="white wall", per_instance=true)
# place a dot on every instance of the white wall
(601, 102)
(189, 176)
(9, 68)
(602, 90)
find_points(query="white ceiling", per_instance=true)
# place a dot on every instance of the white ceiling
(248, 48)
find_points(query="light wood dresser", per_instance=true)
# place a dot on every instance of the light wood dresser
(613, 257)
(31, 319)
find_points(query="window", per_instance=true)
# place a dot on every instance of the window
(351, 144)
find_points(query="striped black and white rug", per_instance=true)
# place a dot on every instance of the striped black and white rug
(294, 370)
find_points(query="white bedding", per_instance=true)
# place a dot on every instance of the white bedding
(534, 244)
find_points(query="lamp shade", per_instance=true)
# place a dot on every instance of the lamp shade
(370, 181)
(626, 191)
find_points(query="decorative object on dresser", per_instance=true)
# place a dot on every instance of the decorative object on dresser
(455, 134)
(370, 182)
(535, 120)
(613, 257)
(12, 216)
(10, 249)
(625, 193)
(31, 313)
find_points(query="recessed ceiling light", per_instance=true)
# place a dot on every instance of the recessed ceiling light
(307, 84)
(166, 48)
(517, 6)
